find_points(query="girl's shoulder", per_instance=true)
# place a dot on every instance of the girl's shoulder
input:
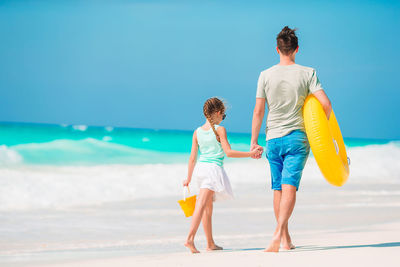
(220, 128)
(200, 128)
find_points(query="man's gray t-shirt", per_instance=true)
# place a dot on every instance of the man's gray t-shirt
(285, 87)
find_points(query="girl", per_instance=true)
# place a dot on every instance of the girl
(211, 177)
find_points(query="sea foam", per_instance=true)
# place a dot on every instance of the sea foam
(80, 127)
(27, 187)
(9, 156)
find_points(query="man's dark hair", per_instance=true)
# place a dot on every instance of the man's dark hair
(287, 40)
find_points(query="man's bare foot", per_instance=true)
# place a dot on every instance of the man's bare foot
(190, 245)
(288, 246)
(274, 245)
(286, 243)
(214, 247)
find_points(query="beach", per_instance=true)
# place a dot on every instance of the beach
(362, 247)
(350, 226)
(330, 226)
(90, 212)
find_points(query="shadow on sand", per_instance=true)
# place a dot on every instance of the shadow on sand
(379, 245)
(315, 248)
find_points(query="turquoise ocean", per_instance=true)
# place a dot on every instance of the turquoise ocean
(77, 145)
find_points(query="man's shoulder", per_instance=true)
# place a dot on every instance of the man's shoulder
(305, 68)
(297, 66)
(270, 69)
(275, 70)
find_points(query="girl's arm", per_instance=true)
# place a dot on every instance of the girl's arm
(227, 147)
(192, 160)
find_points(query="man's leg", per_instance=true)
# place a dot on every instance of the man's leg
(286, 240)
(277, 203)
(286, 205)
(295, 149)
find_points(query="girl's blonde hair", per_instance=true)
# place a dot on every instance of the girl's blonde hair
(211, 106)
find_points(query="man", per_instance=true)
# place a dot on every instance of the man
(284, 87)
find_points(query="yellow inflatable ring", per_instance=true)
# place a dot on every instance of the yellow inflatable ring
(326, 142)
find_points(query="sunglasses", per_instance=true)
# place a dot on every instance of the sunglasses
(223, 116)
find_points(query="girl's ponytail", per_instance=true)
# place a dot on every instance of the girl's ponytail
(211, 106)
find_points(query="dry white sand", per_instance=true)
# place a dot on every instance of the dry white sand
(377, 245)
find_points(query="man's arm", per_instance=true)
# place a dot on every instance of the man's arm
(258, 116)
(325, 102)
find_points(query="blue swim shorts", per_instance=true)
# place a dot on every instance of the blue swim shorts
(287, 156)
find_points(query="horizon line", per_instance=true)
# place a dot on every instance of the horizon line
(155, 129)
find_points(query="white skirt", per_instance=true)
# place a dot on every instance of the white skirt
(213, 177)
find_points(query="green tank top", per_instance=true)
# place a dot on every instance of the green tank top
(210, 149)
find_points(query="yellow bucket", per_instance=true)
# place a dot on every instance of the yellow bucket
(187, 204)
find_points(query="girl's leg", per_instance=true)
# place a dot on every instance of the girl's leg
(207, 225)
(204, 196)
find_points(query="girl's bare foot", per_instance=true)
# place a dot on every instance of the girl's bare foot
(274, 245)
(190, 245)
(214, 247)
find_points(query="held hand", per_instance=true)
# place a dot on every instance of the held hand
(186, 182)
(253, 147)
(258, 151)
